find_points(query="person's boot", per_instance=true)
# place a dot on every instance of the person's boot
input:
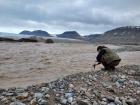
(112, 68)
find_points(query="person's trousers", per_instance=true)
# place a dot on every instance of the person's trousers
(111, 65)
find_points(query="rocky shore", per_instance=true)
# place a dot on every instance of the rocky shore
(119, 87)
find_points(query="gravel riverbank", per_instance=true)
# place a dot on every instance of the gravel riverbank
(119, 87)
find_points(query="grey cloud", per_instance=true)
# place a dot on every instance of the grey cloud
(85, 16)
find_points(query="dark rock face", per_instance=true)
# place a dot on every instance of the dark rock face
(70, 34)
(36, 32)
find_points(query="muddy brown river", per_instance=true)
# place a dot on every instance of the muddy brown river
(23, 64)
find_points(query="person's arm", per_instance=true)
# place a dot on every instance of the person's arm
(98, 58)
(96, 64)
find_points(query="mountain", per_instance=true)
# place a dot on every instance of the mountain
(36, 33)
(92, 37)
(121, 35)
(70, 34)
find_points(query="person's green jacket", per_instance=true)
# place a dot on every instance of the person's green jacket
(107, 56)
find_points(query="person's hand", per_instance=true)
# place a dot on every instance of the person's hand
(94, 65)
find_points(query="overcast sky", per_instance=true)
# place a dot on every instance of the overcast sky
(57, 16)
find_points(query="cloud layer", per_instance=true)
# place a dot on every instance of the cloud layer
(57, 16)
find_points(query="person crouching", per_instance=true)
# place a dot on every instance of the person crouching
(107, 57)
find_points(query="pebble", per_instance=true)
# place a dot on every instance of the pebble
(47, 96)
(95, 103)
(20, 90)
(117, 101)
(119, 83)
(110, 99)
(114, 78)
(82, 102)
(124, 102)
(71, 86)
(137, 83)
(63, 101)
(112, 103)
(38, 95)
(22, 96)
(123, 76)
(10, 94)
(103, 103)
(33, 102)
(42, 102)
(67, 95)
(104, 99)
(131, 101)
(4, 100)
(17, 103)
(70, 99)
(44, 89)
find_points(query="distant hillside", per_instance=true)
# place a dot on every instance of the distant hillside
(36, 32)
(92, 37)
(121, 35)
(70, 34)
